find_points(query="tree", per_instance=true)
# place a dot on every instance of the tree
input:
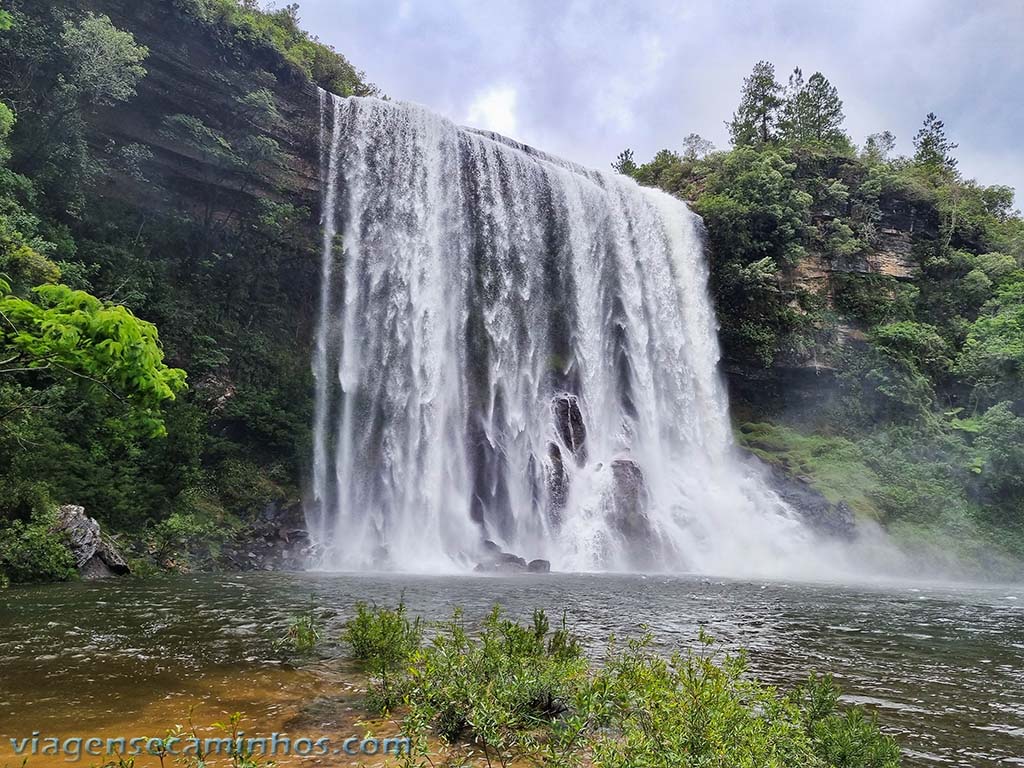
(624, 163)
(106, 62)
(878, 146)
(998, 461)
(932, 148)
(696, 147)
(756, 118)
(61, 72)
(67, 334)
(6, 124)
(992, 359)
(812, 112)
(900, 366)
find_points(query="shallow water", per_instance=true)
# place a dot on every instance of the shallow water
(942, 665)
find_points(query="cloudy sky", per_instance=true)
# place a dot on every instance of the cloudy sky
(586, 78)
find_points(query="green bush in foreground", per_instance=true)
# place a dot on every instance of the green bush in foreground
(382, 641)
(513, 693)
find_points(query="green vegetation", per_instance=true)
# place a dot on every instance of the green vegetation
(30, 553)
(523, 694)
(896, 278)
(304, 632)
(195, 232)
(244, 23)
(382, 641)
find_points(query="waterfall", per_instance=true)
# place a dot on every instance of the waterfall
(518, 349)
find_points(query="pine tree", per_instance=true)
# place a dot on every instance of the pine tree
(624, 163)
(812, 112)
(790, 113)
(756, 118)
(932, 148)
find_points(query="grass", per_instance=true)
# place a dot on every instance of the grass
(304, 633)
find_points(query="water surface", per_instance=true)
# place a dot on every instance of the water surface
(942, 665)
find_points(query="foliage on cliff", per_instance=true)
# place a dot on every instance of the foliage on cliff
(244, 23)
(896, 278)
(219, 257)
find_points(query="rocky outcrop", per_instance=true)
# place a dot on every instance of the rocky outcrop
(192, 71)
(821, 515)
(805, 381)
(570, 426)
(629, 517)
(96, 557)
(276, 540)
(557, 481)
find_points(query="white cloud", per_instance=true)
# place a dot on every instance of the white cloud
(495, 110)
(587, 78)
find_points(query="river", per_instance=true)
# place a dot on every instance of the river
(942, 665)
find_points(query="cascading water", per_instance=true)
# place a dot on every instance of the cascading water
(515, 348)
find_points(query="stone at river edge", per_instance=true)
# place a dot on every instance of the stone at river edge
(493, 560)
(95, 556)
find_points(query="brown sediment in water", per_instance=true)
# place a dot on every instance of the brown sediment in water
(321, 700)
(314, 702)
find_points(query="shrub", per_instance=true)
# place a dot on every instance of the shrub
(382, 641)
(304, 632)
(850, 739)
(496, 689)
(30, 552)
(524, 695)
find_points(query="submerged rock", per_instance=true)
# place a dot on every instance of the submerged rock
(518, 565)
(496, 561)
(95, 556)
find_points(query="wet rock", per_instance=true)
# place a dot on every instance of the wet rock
(570, 426)
(557, 481)
(496, 561)
(275, 540)
(824, 517)
(539, 566)
(96, 557)
(629, 517)
(490, 546)
(507, 558)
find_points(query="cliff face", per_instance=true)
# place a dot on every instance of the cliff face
(193, 72)
(804, 382)
(194, 202)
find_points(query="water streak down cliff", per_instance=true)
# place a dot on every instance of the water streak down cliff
(515, 348)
